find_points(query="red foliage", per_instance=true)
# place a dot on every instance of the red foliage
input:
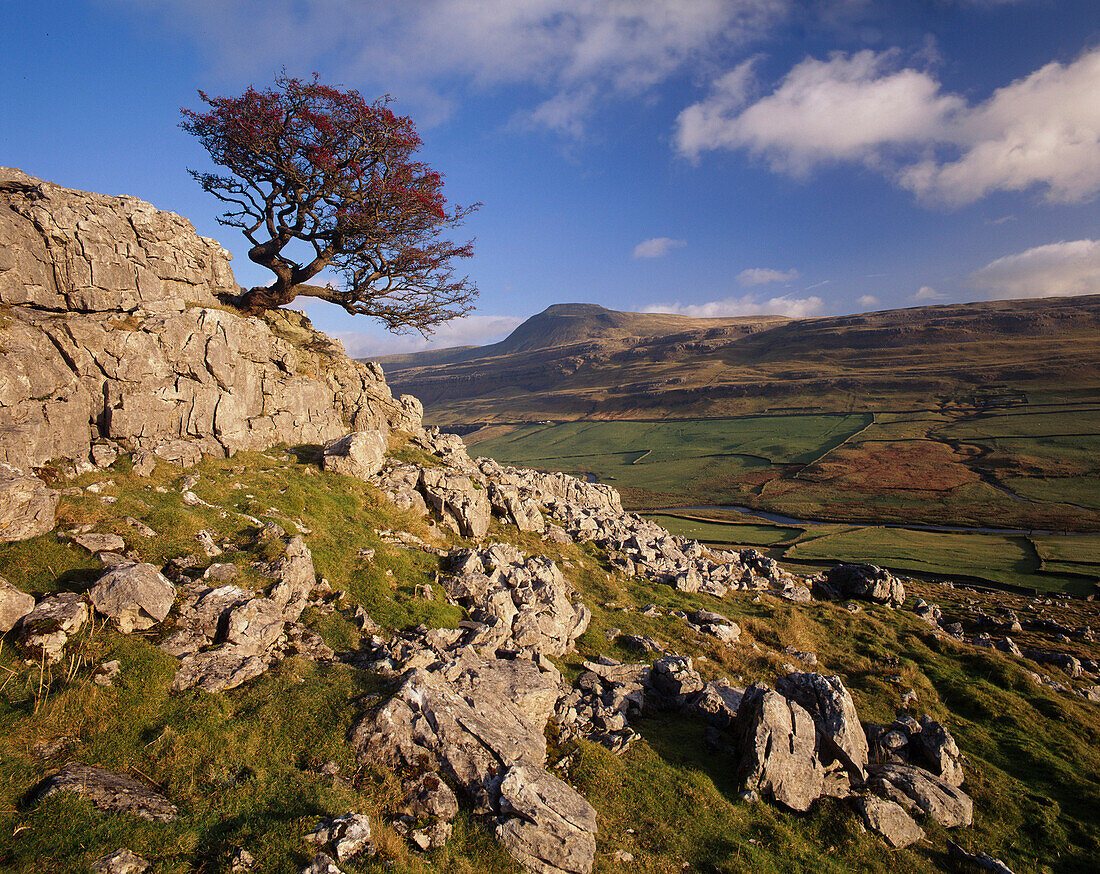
(309, 162)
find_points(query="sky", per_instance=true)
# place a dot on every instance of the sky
(704, 157)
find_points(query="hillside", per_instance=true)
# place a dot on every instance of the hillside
(254, 617)
(582, 361)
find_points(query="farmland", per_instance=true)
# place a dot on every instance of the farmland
(874, 478)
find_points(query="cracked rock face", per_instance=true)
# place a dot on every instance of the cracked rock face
(834, 714)
(778, 745)
(919, 791)
(115, 331)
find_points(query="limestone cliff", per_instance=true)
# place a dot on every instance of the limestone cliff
(112, 330)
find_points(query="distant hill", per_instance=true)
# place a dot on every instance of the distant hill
(583, 361)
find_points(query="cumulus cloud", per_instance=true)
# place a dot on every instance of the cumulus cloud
(765, 275)
(657, 247)
(747, 305)
(464, 331)
(616, 46)
(1040, 131)
(1060, 269)
(868, 301)
(926, 293)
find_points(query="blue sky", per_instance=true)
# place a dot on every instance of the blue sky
(710, 157)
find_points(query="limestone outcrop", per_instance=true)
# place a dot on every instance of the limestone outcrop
(114, 330)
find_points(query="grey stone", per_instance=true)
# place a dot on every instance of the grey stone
(108, 791)
(890, 820)
(134, 596)
(14, 605)
(117, 336)
(96, 542)
(295, 578)
(457, 501)
(674, 679)
(917, 790)
(27, 507)
(321, 863)
(866, 582)
(44, 631)
(777, 745)
(359, 454)
(546, 825)
(120, 862)
(834, 714)
(348, 836)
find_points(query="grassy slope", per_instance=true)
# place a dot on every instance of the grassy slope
(242, 764)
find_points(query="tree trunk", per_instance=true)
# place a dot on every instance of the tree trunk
(257, 300)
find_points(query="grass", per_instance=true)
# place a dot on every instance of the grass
(750, 534)
(243, 765)
(1004, 559)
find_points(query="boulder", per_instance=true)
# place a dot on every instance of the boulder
(134, 596)
(716, 704)
(515, 509)
(14, 605)
(44, 631)
(938, 751)
(834, 714)
(777, 745)
(108, 791)
(866, 582)
(546, 825)
(359, 454)
(94, 542)
(27, 507)
(917, 790)
(890, 820)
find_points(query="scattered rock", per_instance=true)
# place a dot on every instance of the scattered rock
(107, 672)
(348, 836)
(890, 820)
(981, 861)
(359, 454)
(108, 791)
(14, 605)
(144, 462)
(95, 542)
(863, 581)
(834, 714)
(918, 790)
(321, 863)
(120, 862)
(134, 596)
(27, 507)
(47, 628)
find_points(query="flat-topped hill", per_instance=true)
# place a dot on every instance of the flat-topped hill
(583, 361)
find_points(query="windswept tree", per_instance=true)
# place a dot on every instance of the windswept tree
(321, 172)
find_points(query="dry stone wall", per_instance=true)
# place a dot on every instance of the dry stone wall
(112, 329)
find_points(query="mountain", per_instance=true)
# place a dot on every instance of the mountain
(584, 361)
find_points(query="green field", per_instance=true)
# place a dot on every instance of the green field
(724, 533)
(1027, 469)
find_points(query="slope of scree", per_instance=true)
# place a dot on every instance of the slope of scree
(369, 652)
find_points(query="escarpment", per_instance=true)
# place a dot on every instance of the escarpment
(113, 333)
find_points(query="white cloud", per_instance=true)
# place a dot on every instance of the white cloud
(764, 275)
(617, 46)
(845, 108)
(1040, 131)
(465, 331)
(657, 247)
(747, 305)
(868, 301)
(1056, 270)
(926, 293)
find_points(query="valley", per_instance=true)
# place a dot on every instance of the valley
(969, 417)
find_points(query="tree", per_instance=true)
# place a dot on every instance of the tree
(313, 164)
